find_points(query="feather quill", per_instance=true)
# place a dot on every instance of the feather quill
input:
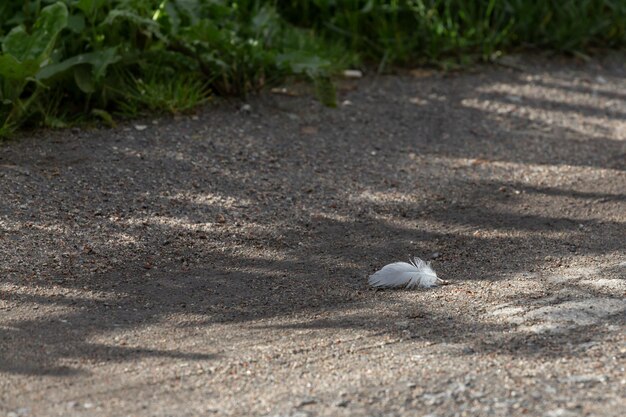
(416, 273)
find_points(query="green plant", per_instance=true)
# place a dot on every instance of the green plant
(125, 57)
(157, 91)
(64, 61)
(409, 32)
(23, 54)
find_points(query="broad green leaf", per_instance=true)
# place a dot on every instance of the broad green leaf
(54, 122)
(13, 69)
(76, 23)
(38, 44)
(368, 7)
(102, 59)
(144, 22)
(84, 79)
(205, 31)
(105, 116)
(99, 62)
(89, 6)
(266, 18)
(172, 17)
(300, 62)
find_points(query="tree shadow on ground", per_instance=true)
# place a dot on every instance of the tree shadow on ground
(257, 220)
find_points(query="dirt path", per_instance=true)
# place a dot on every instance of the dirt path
(217, 264)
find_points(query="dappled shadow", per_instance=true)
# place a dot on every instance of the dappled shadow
(587, 87)
(236, 218)
(555, 324)
(592, 196)
(45, 340)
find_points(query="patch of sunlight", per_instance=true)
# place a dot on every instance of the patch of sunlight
(598, 278)
(174, 222)
(547, 94)
(507, 310)
(260, 272)
(9, 225)
(53, 291)
(470, 228)
(580, 83)
(592, 126)
(323, 215)
(211, 199)
(526, 168)
(184, 223)
(616, 284)
(251, 254)
(381, 197)
(568, 314)
(122, 239)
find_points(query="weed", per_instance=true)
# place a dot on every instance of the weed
(159, 91)
(66, 60)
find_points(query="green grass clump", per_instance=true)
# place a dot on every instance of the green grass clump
(436, 31)
(63, 61)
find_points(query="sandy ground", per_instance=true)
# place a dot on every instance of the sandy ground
(217, 264)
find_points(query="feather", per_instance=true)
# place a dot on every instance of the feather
(417, 273)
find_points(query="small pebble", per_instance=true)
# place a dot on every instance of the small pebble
(352, 73)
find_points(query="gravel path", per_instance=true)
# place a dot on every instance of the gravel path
(217, 264)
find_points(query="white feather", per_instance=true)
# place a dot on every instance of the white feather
(417, 273)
